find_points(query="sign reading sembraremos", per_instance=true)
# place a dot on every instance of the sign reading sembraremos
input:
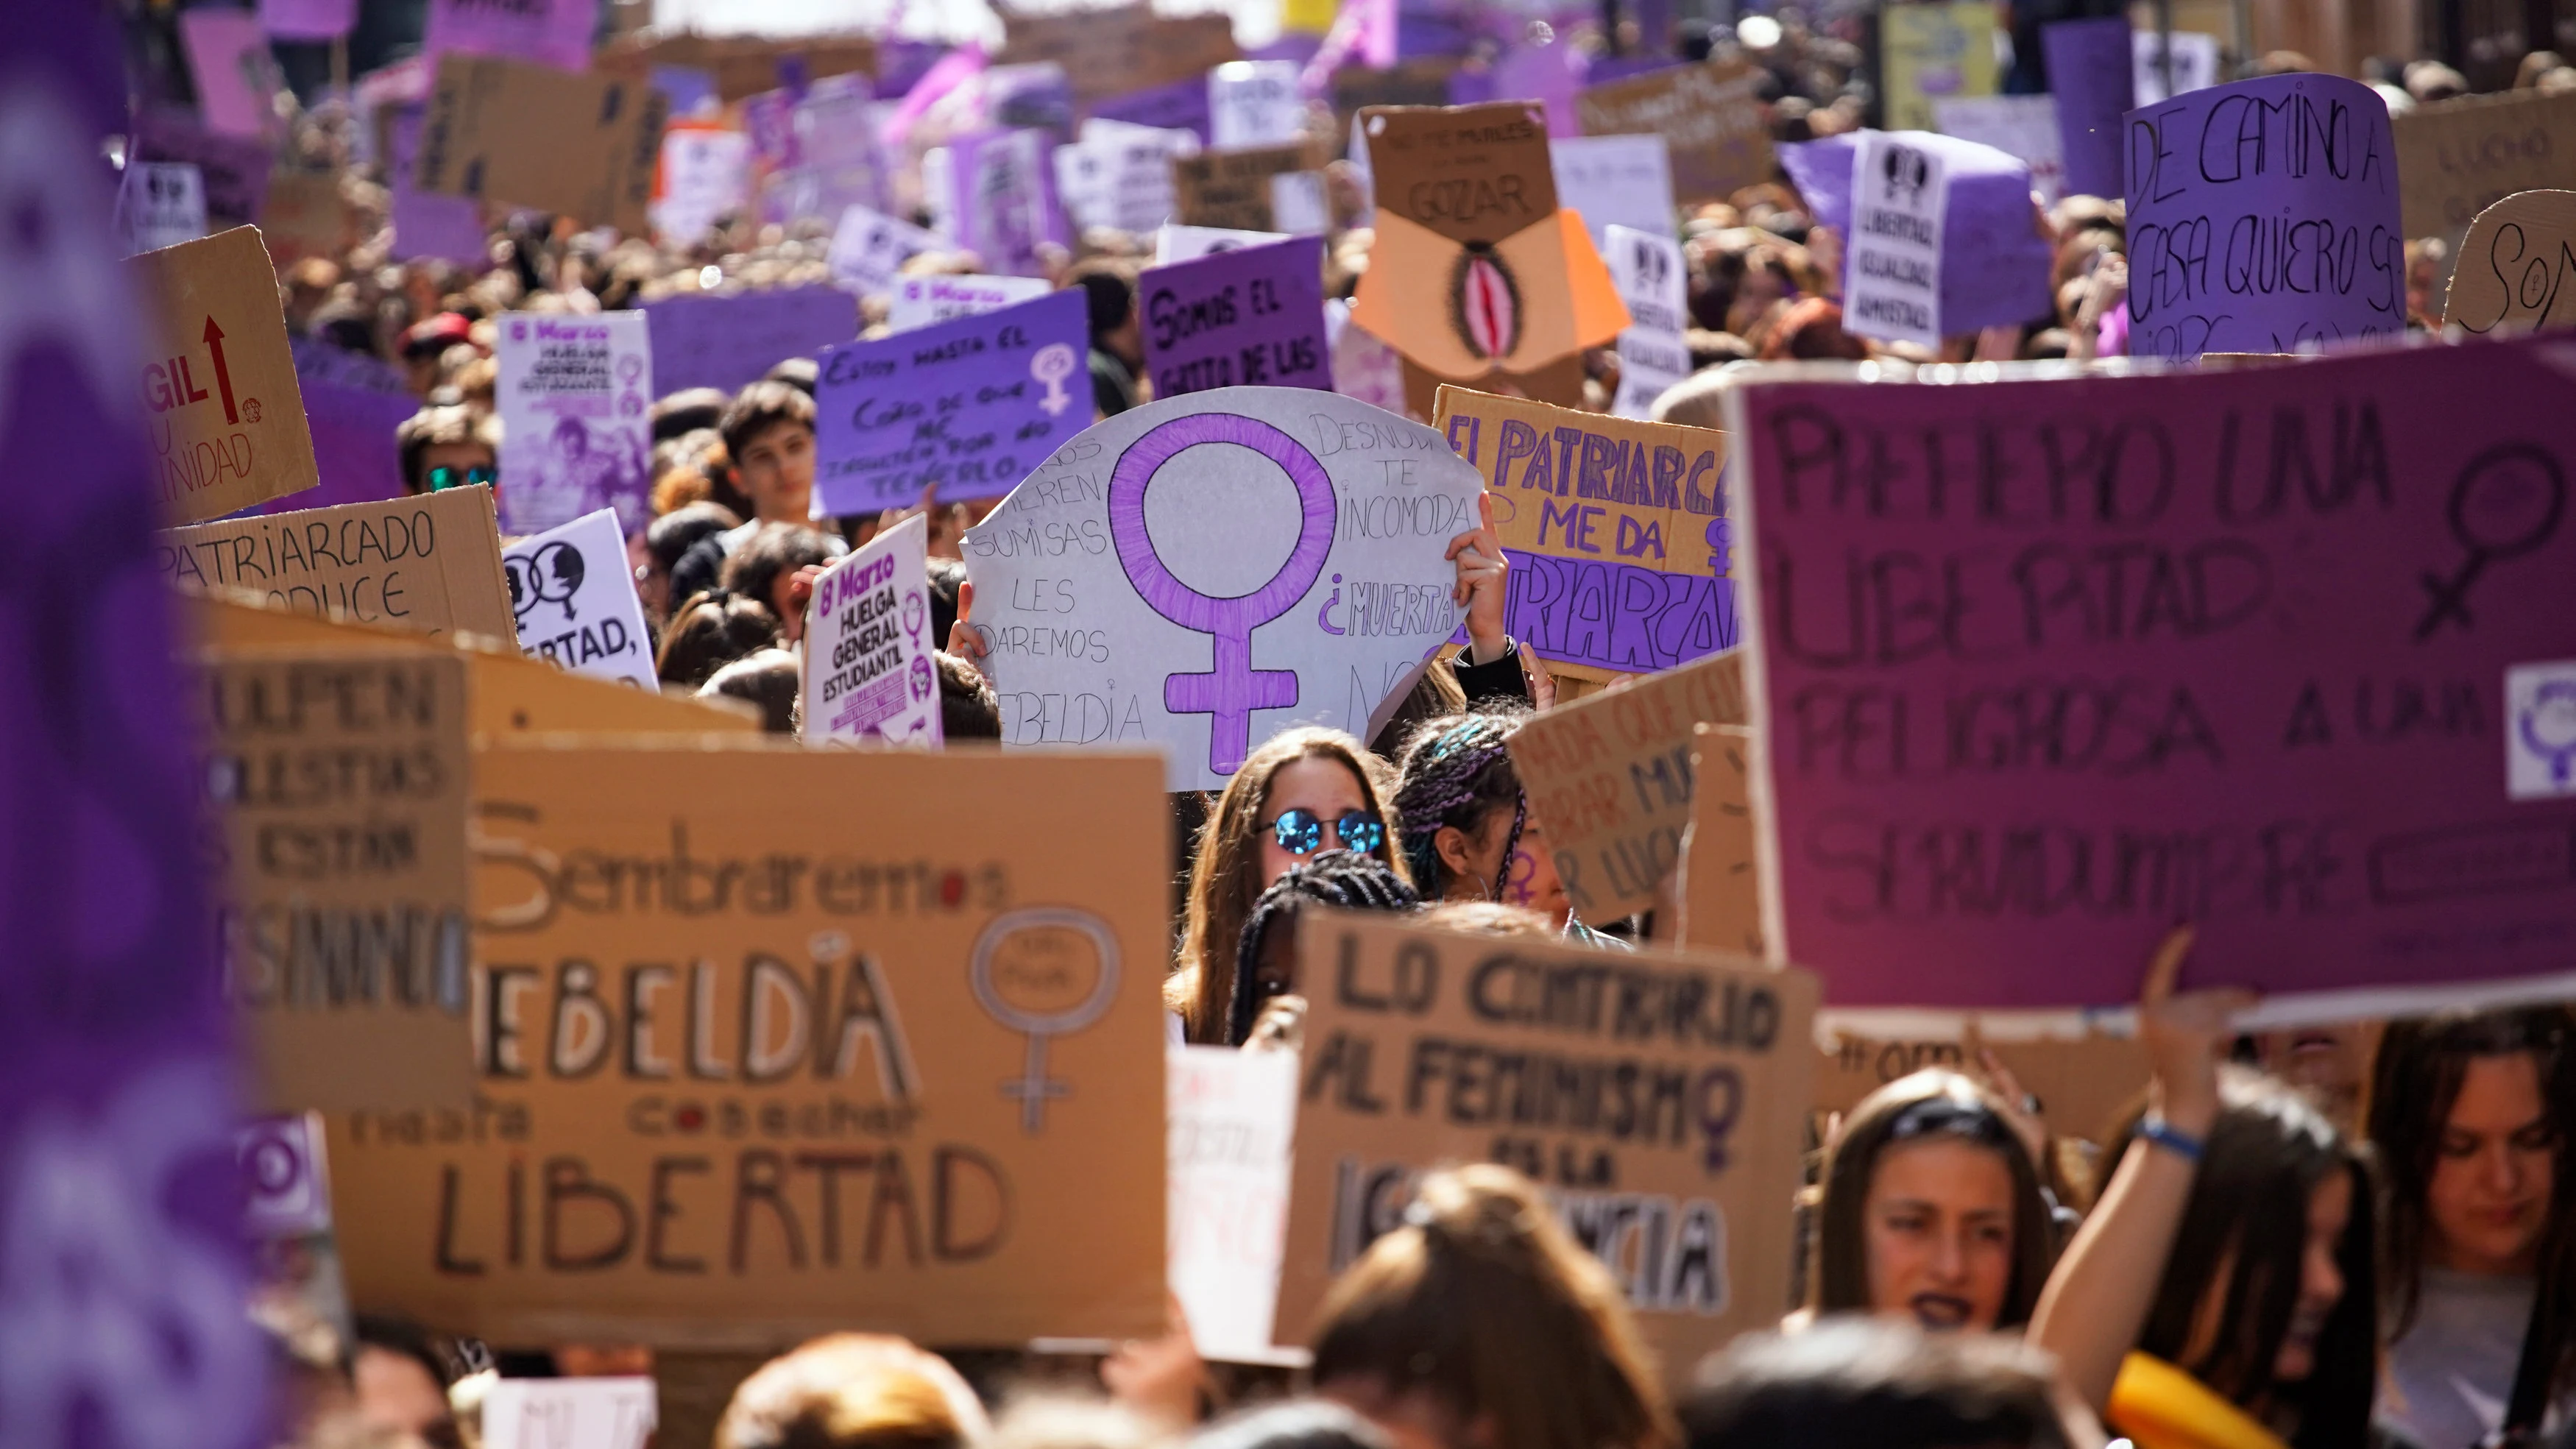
(2044, 667)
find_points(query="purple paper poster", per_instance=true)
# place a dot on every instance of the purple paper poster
(1249, 317)
(1994, 263)
(2090, 71)
(308, 19)
(352, 405)
(235, 168)
(549, 32)
(426, 224)
(573, 392)
(725, 342)
(1000, 199)
(1180, 106)
(236, 76)
(971, 405)
(2263, 215)
(118, 1198)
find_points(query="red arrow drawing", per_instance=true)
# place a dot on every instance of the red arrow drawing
(214, 340)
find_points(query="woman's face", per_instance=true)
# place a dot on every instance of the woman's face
(1320, 785)
(1938, 1231)
(1532, 880)
(2493, 1170)
(2320, 1278)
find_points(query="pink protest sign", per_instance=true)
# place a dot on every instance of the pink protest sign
(549, 32)
(2285, 651)
(236, 76)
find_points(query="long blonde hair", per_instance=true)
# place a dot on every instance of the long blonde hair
(1225, 870)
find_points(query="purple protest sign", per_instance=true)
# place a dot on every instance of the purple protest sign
(549, 32)
(1180, 106)
(118, 1197)
(1548, 74)
(2090, 70)
(2263, 215)
(1000, 202)
(2268, 650)
(426, 224)
(1994, 263)
(971, 405)
(307, 19)
(1246, 317)
(724, 342)
(235, 168)
(236, 76)
(352, 404)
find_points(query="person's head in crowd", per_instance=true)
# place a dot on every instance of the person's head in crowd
(1812, 331)
(401, 1378)
(676, 415)
(1295, 1424)
(945, 575)
(1117, 340)
(474, 376)
(800, 373)
(768, 432)
(1790, 120)
(1715, 349)
(344, 325)
(2331, 1063)
(1489, 918)
(309, 1365)
(1884, 1385)
(765, 679)
(1697, 401)
(2430, 80)
(1070, 1421)
(968, 708)
(1265, 957)
(1479, 1323)
(1468, 833)
(709, 631)
(669, 537)
(424, 349)
(853, 1391)
(764, 567)
(1929, 1209)
(448, 447)
(1301, 791)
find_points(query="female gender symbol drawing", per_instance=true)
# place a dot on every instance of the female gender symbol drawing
(1233, 689)
(1035, 1088)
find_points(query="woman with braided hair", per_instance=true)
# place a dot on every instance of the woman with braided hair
(1265, 957)
(1466, 825)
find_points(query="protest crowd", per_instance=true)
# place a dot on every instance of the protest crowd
(1417, 724)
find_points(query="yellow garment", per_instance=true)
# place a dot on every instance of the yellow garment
(1566, 299)
(2160, 1407)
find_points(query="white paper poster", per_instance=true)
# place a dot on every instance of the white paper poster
(569, 1414)
(1363, 367)
(1647, 268)
(1615, 181)
(1120, 175)
(1176, 243)
(575, 393)
(1207, 570)
(1892, 283)
(2195, 64)
(2022, 127)
(920, 301)
(1299, 204)
(286, 1179)
(574, 594)
(1232, 1118)
(1255, 103)
(869, 249)
(160, 204)
(705, 175)
(868, 673)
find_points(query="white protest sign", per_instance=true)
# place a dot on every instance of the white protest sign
(1120, 175)
(1176, 243)
(1209, 569)
(1614, 181)
(2195, 64)
(574, 393)
(869, 249)
(705, 175)
(1647, 269)
(618, 1413)
(1299, 205)
(574, 594)
(1892, 284)
(922, 300)
(160, 204)
(867, 672)
(2022, 127)
(286, 1179)
(1255, 103)
(1231, 1117)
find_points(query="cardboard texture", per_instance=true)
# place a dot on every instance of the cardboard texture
(306, 215)
(1709, 115)
(431, 564)
(1231, 189)
(1934, 52)
(603, 138)
(1122, 48)
(2456, 158)
(227, 423)
(341, 784)
(1656, 1096)
(1557, 384)
(1722, 879)
(1609, 780)
(1617, 531)
(2512, 270)
(2277, 660)
(2083, 1084)
(798, 1039)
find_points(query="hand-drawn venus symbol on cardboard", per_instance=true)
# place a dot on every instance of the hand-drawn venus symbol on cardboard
(1232, 689)
(1046, 971)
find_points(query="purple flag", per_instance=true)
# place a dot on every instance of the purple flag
(1994, 266)
(2090, 72)
(549, 32)
(307, 19)
(123, 1286)
(1248, 317)
(724, 342)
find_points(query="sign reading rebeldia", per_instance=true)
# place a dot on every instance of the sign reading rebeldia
(226, 420)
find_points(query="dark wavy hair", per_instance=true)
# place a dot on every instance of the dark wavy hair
(1456, 772)
(1343, 878)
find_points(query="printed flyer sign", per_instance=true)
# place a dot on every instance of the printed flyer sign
(1892, 271)
(574, 596)
(575, 396)
(1652, 277)
(921, 300)
(868, 673)
(160, 204)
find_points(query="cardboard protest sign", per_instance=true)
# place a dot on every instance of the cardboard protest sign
(305, 215)
(971, 405)
(2514, 264)
(583, 1413)
(1121, 48)
(603, 138)
(1934, 52)
(575, 395)
(573, 593)
(1657, 1097)
(1722, 880)
(227, 424)
(2263, 215)
(1651, 275)
(1255, 103)
(1205, 571)
(1609, 780)
(1614, 181)
(2458, 157)
(1242, 190)
(2022, 127)
(2256, 669)
(236, 75)
(2083, 1083)
(286, 1176)
(726, 341)
(431, 564)
(994, 195)
(1249, 317)
(2192, 54)
(705, 175)
(1709, 115)
(869, 249)
(1617, 531)
(160, 204)
(918, 301)
(554, 33)
(867, 671)
(742, 65)
(1892, 257)
(797, 1038)
(2090, 73)
(1232, 1116)
(233, 169)
(340, 782)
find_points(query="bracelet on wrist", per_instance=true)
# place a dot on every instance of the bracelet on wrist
(2155, 1129)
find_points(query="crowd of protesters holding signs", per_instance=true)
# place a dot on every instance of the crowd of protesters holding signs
(1451, 730)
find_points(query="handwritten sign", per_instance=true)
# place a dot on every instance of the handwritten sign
(867, 671)
(1609, 181)
(1120, 48)
(2231, 647)
(1232, 1115)
(1134, 590)
(725, 341)
(1255, 103)
(1892, 259)
(795, 1039)
(227, 423)
(431, 564)
(575, 395)
(1425, 1047)
(1617, 531)
(1934, 52)
(869, 249)
(2083, 1083)
(552, 33)
(921, 300)
(610, 1413)
(160, 204)
(2090, 73)
(1240, 190)
(574, 596)
(971, 405)
(1249, 317)
(2022, 127)
(603, 138)
(2514, 264)
(1711, 117)
(2456, 158)
(2263, 215)
(1722, 881)
(341, 785)
(1609, 776)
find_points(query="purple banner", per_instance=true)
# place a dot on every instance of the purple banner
(1994, 264)
(1180, 106)
(2090, 71)
(352, 404)
(725, 342)
(1249, 317)
(971, 405)
(549, 32)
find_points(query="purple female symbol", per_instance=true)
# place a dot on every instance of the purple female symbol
(1231, 691)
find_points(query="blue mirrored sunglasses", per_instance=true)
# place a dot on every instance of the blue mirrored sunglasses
(1301, 832)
